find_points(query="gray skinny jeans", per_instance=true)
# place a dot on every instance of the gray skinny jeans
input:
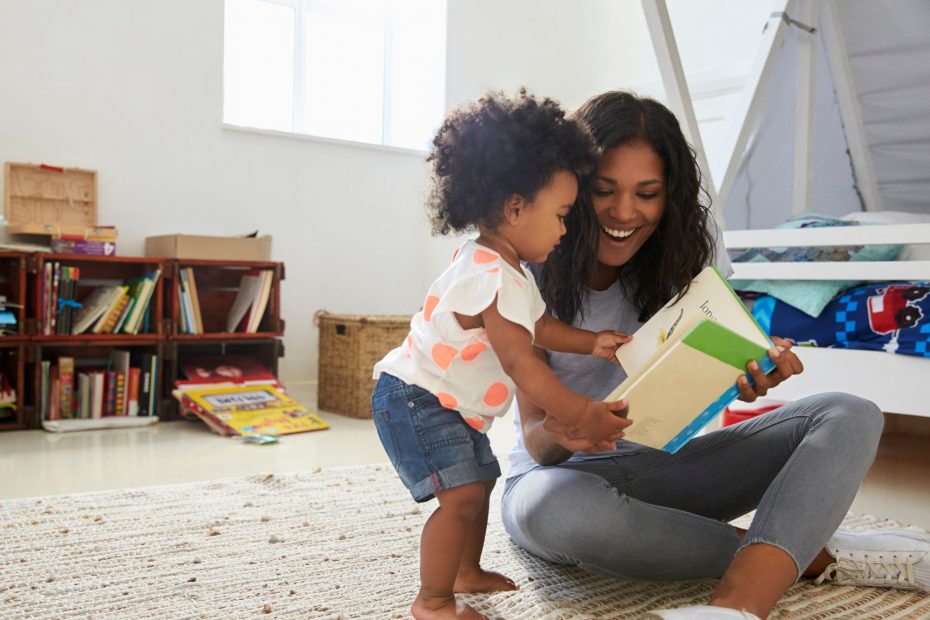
(658, 516)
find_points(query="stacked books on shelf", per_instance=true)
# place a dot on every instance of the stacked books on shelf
(236, 395)
(118, 309)
(191, 319)
(125, 385)
(247, 310)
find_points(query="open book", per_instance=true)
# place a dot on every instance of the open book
(683, 363)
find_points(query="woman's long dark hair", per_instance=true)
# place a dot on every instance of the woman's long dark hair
(681, 245)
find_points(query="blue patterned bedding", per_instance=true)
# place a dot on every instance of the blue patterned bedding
(879, 316)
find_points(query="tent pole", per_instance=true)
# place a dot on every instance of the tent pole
(676, 90)
(751, 102)
(805, 92)
(838, 57)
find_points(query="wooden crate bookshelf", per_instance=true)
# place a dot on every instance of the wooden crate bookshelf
(21, 355)
(217, 284)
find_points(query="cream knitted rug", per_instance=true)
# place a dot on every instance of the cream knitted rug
(339, 543)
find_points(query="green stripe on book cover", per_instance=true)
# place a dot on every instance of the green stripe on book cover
(724, 344)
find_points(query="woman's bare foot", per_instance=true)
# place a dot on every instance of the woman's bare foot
(443, 609)
(480, 580)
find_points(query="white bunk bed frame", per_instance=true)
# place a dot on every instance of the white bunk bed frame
(896, 383)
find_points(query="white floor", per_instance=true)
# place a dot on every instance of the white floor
(37, 463)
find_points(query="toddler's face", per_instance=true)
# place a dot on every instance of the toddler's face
(542, 222)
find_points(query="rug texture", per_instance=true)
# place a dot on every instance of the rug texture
(338, 543)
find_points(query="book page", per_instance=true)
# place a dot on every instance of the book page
(711, 297)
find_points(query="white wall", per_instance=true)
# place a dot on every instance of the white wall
(133, 89)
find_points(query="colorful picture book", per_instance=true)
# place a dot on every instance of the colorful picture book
(682, 364)
(233, 409)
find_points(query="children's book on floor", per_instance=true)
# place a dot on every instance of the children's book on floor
(232, 409)
(682, 365)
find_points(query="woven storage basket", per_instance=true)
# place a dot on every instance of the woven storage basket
(350, 346)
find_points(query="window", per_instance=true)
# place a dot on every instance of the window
(363, 70)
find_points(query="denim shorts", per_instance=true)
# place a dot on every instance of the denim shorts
(431, 447)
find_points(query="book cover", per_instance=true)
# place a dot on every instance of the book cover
(64, 245)
(135, 288)
(92, 307)
(682, 364)
(108, 321)
(224, 368)
(252, 410)
(134, 322)
(112, 302)
(249, 289)
(257, 311)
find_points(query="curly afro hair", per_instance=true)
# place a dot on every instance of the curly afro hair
(496, 147)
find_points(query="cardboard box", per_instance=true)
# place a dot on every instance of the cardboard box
(209, 248)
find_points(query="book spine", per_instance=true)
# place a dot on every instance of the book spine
(55, 395)
(66, 386)
(98, 394)
(45, 388)
(109, 407)
(83, 246)
(46, 298)
(145, 381)
(119, 404)
(153, 394)
(53, 311)
(133, 403)
(766, 364)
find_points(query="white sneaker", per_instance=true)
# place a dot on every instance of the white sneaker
(889, 559)
(700, 612)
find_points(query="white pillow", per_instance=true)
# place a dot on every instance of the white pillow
(918, 251)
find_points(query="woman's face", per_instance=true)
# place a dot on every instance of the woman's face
(628, 199)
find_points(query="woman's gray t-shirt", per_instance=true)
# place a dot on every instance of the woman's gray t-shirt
(585, 374)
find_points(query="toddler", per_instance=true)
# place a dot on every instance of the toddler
(511, 169)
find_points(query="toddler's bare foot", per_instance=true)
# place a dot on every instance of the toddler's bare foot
(480, 580)
(443, 609)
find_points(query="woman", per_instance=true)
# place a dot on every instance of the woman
(639, 513)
